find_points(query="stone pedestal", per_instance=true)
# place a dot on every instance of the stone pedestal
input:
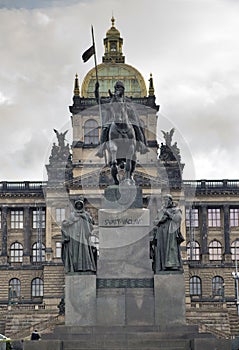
(80, 299)
(124, 273)
(169, 293)
(125, 307)
(124, 244)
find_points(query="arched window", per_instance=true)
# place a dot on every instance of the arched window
(58, 249)
(14, 288)
(38, 252)
(193, 251)
(16, 252)
(235, 250)
(217, 286)
(215, 250)
(37, 287)
(91, 132)
(195, 285)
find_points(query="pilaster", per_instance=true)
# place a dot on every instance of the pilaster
(227, 252)
(4, 231)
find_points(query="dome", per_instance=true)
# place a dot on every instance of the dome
(108, 74)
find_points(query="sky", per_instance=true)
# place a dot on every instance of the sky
(190, 46)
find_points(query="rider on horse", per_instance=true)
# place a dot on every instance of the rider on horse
(108, 115)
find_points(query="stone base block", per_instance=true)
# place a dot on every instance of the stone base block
(169, 291)
(124, 244)
(125, 307)
(80, 299)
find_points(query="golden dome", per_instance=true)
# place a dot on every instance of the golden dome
(108, 74)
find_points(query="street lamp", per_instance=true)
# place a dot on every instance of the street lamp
(235, 275)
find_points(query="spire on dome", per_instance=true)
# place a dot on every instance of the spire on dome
(76, 87)
(113, 21)
(151, 85)
(113, 45)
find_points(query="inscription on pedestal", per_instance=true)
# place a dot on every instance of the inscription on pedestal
(131, 217)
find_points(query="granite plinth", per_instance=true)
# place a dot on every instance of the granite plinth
(169, 292)
(80, 299)
(125, 307)
(124, 244)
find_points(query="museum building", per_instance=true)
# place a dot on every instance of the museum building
(31, 269)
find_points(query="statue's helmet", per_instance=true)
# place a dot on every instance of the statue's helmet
(168, 198)
(119, 84)
(79, 204)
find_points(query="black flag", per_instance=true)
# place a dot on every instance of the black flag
(88, 53)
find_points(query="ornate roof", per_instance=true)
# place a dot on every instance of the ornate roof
(113, 68)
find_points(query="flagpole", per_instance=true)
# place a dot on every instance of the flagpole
(96, 72)
(93, 41)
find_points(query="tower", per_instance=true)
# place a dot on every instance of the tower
(86, 119)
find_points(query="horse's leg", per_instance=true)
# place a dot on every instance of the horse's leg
(114, 168)
(129, 168)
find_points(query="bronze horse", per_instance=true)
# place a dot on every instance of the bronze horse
(122, 143)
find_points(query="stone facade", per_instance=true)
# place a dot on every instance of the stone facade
(31, 269)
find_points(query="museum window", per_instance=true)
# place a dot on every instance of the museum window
(37, 287)
(38, 218)
(235, 250)
(217, 286)
(16, 218)
(192, 218)
(58, 249)
(215, 250)
(16, 252)
(14, 288)
(193, 251)
(91, 132)
(214, 217)
(38, 252)
(234, 217)
(195, 286)
(60, 215)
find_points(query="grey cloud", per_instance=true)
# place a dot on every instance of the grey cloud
(190, 47)
(32, 4)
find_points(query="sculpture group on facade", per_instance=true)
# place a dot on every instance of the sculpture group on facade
(169, 151)
(77, 251)
(122, 134)
(167, 237)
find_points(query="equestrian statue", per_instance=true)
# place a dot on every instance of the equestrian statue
(122, 133)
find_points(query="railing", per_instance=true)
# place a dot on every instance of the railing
(204, 328)
(21, 186)
(40, 326)
(204, 185)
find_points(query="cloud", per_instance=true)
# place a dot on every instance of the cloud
(30, 4)
(191, 47)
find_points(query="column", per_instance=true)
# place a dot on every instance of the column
(205, 255)
(227, 253)
(3, 259)
(27, 236)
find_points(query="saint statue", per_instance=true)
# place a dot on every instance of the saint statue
(165, 246)
(77, 252)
